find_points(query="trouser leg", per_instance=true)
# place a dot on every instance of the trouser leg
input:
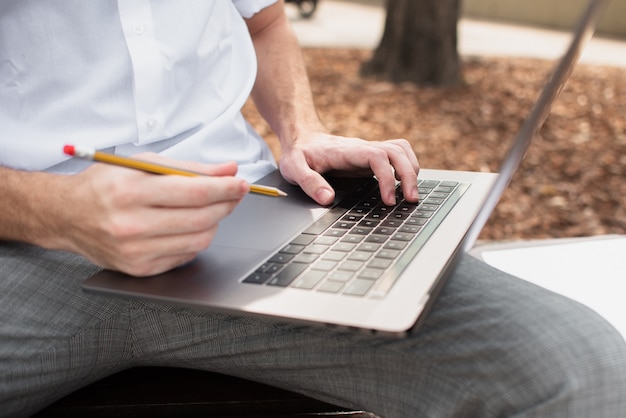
(54, 338)
(493, 345)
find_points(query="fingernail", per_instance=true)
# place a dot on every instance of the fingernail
(244, 188)
(324, 196)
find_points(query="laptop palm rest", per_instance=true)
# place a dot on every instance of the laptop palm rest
(257, 228)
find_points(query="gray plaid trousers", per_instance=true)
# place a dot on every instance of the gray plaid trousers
(493, 345)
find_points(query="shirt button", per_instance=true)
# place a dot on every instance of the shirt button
(139, 29)
(151, 123)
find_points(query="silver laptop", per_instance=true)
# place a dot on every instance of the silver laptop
(358, 263)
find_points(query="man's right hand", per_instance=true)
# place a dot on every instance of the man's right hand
(135, 222)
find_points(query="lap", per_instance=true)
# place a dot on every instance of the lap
(491, 343)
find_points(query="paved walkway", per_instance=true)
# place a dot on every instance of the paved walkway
(359, 24)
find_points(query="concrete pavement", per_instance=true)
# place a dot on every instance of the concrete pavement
(359, 24)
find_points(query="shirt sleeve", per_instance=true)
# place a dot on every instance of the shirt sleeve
(247, 8)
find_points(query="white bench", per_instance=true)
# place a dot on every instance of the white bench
(591, 270)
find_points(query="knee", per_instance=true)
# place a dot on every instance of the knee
(580, 370)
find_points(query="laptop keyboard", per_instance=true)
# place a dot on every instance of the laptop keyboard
(360, 246)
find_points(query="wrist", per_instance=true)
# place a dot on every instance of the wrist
(294, 133)
(32, 207)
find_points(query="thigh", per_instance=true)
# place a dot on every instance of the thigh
(54, 337)
(493, 345)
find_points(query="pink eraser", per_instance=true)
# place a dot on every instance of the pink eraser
(69, 149)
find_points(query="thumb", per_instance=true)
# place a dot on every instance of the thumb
(311, 182)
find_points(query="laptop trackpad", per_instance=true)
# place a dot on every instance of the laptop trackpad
(265, 223)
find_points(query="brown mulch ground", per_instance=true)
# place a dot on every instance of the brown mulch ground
(572, 182)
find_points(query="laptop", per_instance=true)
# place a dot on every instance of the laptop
(357, 263)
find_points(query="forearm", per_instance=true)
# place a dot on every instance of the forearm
(282, 92)
(29, 206)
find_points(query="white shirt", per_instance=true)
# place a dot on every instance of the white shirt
(127, 76)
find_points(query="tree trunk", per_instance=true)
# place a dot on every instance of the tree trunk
(419, 43)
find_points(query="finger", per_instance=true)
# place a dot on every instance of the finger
(297, 170)
(146, 257)
(405, 165)
(142, 189)
(379, 162)
(153, 223)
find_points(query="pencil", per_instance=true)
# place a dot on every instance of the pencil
(103, 157)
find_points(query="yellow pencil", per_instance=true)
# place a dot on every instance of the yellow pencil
(103, 157)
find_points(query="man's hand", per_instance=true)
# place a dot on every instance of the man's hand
(305, 159)
(123, 219)
(283, 97)
(143, 223)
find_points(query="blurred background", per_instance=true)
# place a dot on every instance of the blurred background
(456, 78)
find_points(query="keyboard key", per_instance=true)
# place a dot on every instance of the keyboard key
(379, 263)
(369, 223)
(422, 214)
(350, 266)
(273, 268)
(449, 183)
(410, 229)
(292, 249)
(376, 215)
(360, 230)
(353, 239)
(335, 233)
(303, 239)
(429, 183)
(309, 280)
(288, 274)
(344, 225)
(392, 223)
(433, 201)
(429, 208)
(281, 258)
(401, 236)
(352, 218)
(325, 221)
(444, 189)
(340, 275)
(395, 245)
(334, 255)
(358, 287)
(324, 265)
(305, 258)
(406, 207)
(371, 274)
(388, 254)
(316, 249)
(257, 278)
(416, 221)
(345, 247)
(325, 240)
(360, 256)
(330, 287)
(376, 238)
(399, 215)
(369, 247)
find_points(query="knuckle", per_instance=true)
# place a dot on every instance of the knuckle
(203, 240)
(122, 228)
